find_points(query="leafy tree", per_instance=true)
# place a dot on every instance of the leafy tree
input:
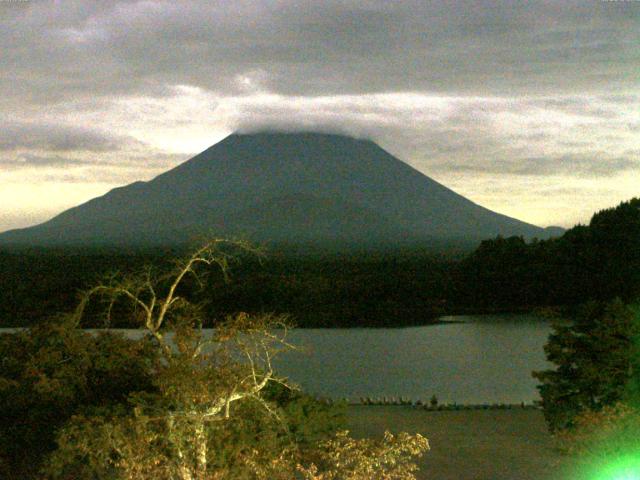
(607, 440)
(603, 444)
(199, 382)
(178, 403)
(53, 371)
(343, 458)
(594, 355)
(610, 432)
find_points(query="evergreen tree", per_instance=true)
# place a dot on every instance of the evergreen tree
(594, 355)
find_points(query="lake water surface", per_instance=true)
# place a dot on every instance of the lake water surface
(476, 359)
(466, 359)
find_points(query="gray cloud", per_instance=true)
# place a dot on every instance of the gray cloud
(123, 166)
(95, 91)
(558, 136)
(33, 160)
(58, 51)
(58, 137)
(573, 165)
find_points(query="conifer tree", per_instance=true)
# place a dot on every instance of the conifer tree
(594, 358)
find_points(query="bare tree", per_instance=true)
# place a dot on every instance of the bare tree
(201, 385)
(199, 377)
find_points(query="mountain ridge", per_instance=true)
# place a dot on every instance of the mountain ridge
(279, 187)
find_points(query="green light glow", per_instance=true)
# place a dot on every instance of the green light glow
(608, 444)
(625, 468)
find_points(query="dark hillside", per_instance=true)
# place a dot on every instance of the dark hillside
(599, 261)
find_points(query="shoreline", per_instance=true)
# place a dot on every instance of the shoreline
(469, 444)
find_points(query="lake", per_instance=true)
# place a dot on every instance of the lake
(464, 359)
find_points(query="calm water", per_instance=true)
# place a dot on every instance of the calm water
(484, 359)
(471, 359)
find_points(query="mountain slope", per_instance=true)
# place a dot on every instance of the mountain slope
(294, 187)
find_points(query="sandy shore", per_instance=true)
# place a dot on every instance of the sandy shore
(469, 444)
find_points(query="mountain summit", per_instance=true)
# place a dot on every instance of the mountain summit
(279, 187)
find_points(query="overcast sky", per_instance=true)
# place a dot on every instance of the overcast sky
(529, 108)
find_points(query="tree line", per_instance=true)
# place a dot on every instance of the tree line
(599, 261)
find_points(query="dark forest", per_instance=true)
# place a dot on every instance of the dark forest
(361, 288)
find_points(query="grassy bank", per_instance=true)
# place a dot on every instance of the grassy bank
(469, 444)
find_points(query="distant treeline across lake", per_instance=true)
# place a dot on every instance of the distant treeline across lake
(383, 288)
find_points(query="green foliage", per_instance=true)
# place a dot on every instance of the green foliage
(594, 355)
(604, 444)
(600, 261)
(497, 274)
(54, 371)
(343, 457)
(54, 277)
(632, 391)
(308, 420)
(199, 411)
(611, 432)
(336, 291)
(176, 404)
